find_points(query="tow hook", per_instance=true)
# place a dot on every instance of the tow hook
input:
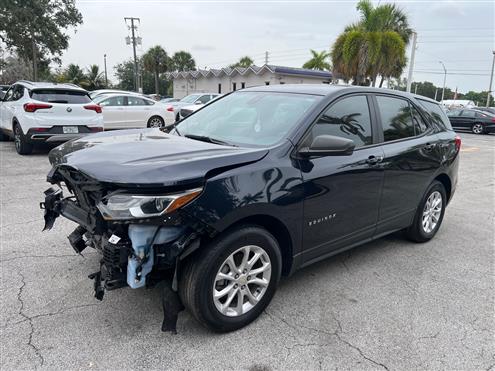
(50, 205)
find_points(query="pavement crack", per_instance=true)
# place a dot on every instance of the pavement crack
(30, 343)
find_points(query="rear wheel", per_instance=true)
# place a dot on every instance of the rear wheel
(232, 280)
(156, 122)
(477, 128)
(429, 214)
(21, 145)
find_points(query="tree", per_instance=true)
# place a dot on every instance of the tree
(156, 61)
(124, 73)
(74, 75)
(183, 61)
(37, 29)
(376, 45)
(94, 78)
(318, 61)
(244, 62)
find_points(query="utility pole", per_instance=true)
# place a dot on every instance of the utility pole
(133, 41)
(491, 81)
(35, 63)
(266, 57)
(444, 79)
(105, 64)
(436, 91)
(411, 62)
(415, 88)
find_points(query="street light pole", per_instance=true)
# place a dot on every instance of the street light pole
(105, 64)
(491, 81)
(411, 62)
(444, 79)
(134, 41)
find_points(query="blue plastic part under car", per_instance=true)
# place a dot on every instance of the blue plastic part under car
(142, 260)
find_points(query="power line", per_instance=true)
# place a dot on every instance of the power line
(452, 73)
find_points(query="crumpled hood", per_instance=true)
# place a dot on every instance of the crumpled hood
(148, 157)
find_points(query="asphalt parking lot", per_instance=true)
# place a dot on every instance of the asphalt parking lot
(390, 304)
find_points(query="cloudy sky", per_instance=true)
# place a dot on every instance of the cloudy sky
(217, 33)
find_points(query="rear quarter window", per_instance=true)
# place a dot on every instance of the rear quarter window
(60, 96)
(437, 114)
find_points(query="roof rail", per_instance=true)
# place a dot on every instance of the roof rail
(71, 84)
(26, 82)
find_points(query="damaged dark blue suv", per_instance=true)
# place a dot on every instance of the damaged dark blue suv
(256, 185)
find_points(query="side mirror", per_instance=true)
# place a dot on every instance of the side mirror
(328, 145)
(198, 102)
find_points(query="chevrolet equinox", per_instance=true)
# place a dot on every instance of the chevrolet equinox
(256, 185)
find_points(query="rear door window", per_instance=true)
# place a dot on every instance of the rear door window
(347, 118)
(467, 113)
(17, 92)
(60, 96)
(136, 101)
(117, 101)
(396, 117)
(437, 114)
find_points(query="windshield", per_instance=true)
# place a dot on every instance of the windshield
(250, 118)
(190, 98)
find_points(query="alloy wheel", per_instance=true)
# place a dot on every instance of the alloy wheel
(241, 281)
(155, 122)
(477, 128)
(432, 212)
(17, 137)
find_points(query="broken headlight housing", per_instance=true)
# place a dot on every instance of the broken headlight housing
(122, 206)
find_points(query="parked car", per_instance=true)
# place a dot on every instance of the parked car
(487, 109)
(95, 93)
(261, 183)
(174, 108)
(169, 100)
(3, 90)
(35, 112)
(126, 111)
(477, 121)
(187, 110)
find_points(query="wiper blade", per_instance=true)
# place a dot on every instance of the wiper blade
(205, 138)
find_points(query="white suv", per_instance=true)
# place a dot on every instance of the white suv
(34, 112)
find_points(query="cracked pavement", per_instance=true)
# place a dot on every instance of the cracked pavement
(390, 304)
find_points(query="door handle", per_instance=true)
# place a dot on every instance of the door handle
(373, 160)
(429, 146)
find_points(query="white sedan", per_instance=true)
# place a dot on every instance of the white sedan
(125, 111)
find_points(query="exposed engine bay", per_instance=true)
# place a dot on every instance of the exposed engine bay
(141, 237)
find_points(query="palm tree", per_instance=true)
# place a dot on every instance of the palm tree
(373, 46)
(183, 61)
(94, 77)
(244, 62)
(74, 74)
(156, 60)
(318, 61)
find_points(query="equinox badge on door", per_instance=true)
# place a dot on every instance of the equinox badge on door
(325, 218)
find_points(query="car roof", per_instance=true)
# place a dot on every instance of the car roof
(330, 89)
(49, 85)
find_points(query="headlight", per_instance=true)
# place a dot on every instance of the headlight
(125, 206)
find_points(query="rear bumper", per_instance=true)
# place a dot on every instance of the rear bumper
(55, 134)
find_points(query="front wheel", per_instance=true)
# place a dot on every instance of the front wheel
(156, 122)
(233, 279)
(21, 145)
(429, 214)
(478, 128)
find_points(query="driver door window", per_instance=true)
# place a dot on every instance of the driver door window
(347, 118)
(204, 99)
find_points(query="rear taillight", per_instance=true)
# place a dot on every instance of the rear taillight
(458, 143)
(170, 109)
(96, 129)
(493, 119)
(32, 107)
(39, 130)
(93, 107)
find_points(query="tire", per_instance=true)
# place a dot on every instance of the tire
(478, 128)
(21, 145)
(156, 122)
(199, 279)
(422, 228)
